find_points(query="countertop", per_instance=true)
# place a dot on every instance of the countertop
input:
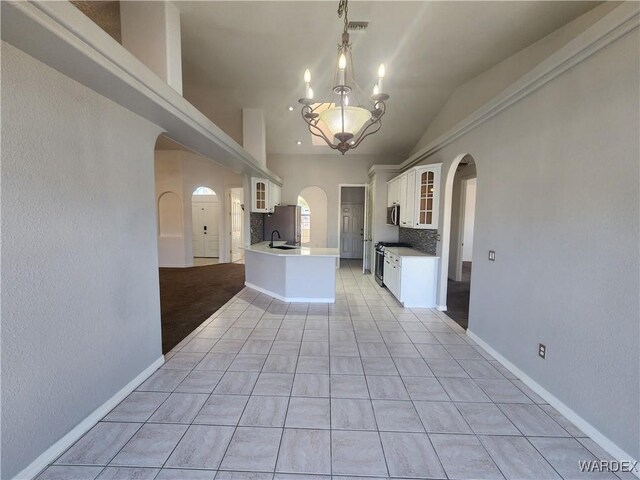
(263, 247)
(408, 252)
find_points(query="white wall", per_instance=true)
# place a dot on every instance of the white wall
(80, 301)
(558, 200)
(182, 172)
(316, 198)
(469, 219)
(151, 31)
(326, 172)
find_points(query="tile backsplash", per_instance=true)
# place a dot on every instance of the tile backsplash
(425, 241)
(257, 227)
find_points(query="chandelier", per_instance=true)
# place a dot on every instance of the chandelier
(344, 123)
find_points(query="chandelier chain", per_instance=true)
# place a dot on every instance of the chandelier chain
(343, 8)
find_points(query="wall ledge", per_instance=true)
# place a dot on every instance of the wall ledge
(61, 36)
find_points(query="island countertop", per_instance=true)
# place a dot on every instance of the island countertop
(263, 247)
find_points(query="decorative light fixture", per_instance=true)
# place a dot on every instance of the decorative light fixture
(343, 124)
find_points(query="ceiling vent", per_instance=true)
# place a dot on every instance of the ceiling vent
(357, 26)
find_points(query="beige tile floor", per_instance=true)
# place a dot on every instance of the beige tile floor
(364, 387)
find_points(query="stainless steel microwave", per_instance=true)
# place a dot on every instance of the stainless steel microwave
(393, 215)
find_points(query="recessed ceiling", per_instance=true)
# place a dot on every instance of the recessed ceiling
(253, 55)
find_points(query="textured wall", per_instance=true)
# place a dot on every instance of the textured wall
(558, 200)
(424, 240)
(80, 302)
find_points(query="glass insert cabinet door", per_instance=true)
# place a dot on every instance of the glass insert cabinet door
(428, 196)
(259, 195)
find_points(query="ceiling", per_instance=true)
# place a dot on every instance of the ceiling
(253, 54)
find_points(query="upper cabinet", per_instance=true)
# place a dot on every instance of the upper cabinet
(392, 192)
(417, 191)
(265, 195)
(275, 195)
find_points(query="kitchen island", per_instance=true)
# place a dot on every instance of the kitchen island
(293, 275)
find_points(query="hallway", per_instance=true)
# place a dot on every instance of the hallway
(458, 297)
(361, 387)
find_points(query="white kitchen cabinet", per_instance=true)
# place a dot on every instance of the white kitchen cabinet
(417, 191)
(392, 192)
(275, 196)
(409, 205)
(265, 195)
(411, 276)
(392, 276)
(259, 195)
(402, 197)
(428, 197)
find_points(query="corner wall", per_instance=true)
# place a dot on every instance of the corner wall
(80, 301)
(558, 200)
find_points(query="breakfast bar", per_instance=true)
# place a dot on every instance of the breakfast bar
(292, 274)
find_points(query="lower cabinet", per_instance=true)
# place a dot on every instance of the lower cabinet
(412, 279)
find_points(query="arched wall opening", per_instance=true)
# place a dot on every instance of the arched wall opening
(316, 200)
(446, 225)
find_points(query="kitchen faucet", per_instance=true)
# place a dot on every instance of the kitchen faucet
(279, 237)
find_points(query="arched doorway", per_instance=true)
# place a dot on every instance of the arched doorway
(315, 200)
(457, 238)
(205, 220)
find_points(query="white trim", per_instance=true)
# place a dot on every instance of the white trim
(289, 299)
(441, 308)
(55, 450)
(605, 31)
(607, 444)
(64, 38)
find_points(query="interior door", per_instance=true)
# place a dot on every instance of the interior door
(235, 202)
(206, 239)
(352, 230)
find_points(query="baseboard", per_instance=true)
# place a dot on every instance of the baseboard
(55, 450)
(289, 299)
(609, 446)
(441, 308)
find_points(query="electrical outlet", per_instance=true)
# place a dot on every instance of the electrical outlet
(542, 350)
(492, 256)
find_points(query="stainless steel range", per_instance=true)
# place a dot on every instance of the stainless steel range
(379, 264)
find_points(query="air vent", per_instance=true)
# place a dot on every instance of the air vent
(357, 26)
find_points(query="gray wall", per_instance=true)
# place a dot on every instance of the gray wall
(326, 172)
(80, 302)
(558, 200)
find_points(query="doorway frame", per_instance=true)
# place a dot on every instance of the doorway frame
(462, 216)
(339, 223)
(446, 228)
(228, 249)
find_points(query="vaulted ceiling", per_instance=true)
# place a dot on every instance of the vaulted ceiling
(253, 54)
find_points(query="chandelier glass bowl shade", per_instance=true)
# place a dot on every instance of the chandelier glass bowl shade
(344, 122)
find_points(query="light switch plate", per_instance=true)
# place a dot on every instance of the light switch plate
(492, 255)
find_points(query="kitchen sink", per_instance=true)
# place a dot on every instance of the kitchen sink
(285, 247)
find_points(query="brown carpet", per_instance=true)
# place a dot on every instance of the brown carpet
(458, 297)
(188, 296)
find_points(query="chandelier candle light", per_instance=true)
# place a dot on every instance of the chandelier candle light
(341, 125)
